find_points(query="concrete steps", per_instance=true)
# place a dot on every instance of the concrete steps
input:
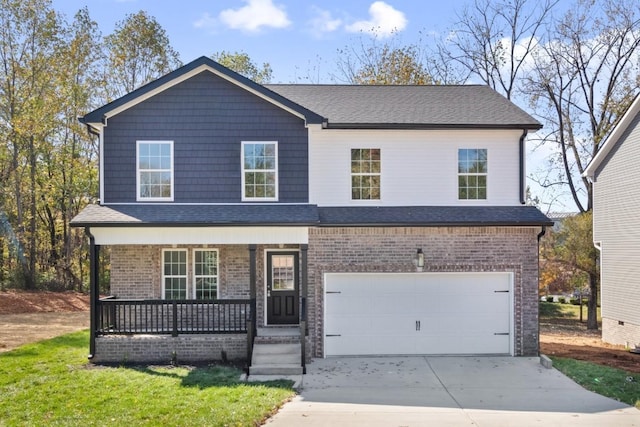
(276, 351)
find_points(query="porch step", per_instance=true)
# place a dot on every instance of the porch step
(276, 359)
(278, 335)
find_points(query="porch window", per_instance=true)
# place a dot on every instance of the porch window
(472, 174)
(155, 170)
(365, 174)
(205, 273)
(174, 277)
(260, 171)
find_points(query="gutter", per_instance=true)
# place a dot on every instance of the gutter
(522, 180)
(598, 246)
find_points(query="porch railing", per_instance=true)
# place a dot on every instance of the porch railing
(123, 316)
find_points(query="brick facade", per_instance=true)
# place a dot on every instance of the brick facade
(136, 271)
(455, 249)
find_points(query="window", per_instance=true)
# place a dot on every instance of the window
(155, 170)
(174, 277)
(205, 273)
(472, 174)
(365, 174)
(259, 170)
(283, 272)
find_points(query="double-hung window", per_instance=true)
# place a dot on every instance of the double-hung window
(365, 174)
(205, 273)
(259, 171)
(174, 273)
(155, 170)
(472, 174)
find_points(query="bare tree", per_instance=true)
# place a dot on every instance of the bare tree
(583, 78)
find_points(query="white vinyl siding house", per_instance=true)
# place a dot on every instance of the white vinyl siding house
(616, 229)
(419, 167)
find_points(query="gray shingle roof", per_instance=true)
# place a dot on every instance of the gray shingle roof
(196, 215)
(470, 106)
(242, 215)
(434, 216)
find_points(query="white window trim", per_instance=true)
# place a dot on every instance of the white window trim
(259, 199)
(352, 174)
(195, 277)
(153, 199)
(459, 174)
(186, 276)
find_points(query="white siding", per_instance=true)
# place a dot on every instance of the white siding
(419, 167)
(616, 224)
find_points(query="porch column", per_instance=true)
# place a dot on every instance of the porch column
(253, 287)
(304, 329)
(94, 291)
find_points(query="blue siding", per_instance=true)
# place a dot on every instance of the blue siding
(207, 118)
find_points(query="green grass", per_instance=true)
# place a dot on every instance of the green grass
(611, 382)
(556, 310)
(50, 383)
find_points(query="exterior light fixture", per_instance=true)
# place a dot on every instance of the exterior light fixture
(420, 259)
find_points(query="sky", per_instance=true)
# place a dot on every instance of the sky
(298, 38)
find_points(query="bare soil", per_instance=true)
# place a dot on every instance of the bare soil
(33, 316)
(570, 338)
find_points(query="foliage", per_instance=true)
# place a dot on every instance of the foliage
(139, 51)
(50, 383)
(569, 261)
(383, 64)
(610, 382)
(241, 63)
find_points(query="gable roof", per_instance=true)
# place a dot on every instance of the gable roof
(354, 106)
(618, 130)
(409, 106)
(195, 67)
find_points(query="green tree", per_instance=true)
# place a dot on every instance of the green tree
(139, 51)
(242, 64)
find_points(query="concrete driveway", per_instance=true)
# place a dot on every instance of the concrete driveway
(446, 391)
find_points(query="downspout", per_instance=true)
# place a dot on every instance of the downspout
(522, 180)
(540, 235)
(93, 292)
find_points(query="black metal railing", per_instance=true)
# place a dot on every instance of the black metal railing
(123, 316)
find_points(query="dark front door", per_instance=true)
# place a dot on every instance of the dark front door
(283, 288)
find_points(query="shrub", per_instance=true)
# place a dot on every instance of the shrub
(562, 300)
(574, 301)
(549, 299)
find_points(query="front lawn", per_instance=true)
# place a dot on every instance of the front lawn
(615, 383)
(51, 383)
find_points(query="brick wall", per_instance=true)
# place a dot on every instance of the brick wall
(627, 334)
(463, 249)
(168, 349)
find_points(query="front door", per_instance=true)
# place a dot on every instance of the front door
(283, 288)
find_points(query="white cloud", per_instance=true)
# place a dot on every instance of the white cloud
(383, 21)
(207, 21)
(323, 22)
(256, 15)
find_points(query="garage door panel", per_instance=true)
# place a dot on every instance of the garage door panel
(458, 313)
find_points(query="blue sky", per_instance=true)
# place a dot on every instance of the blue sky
(296, 37)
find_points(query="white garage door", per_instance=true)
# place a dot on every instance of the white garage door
(418, 313)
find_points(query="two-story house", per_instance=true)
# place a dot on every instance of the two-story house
(370, 220)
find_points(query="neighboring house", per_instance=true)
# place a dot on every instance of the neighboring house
(616, 228)
(373, 220)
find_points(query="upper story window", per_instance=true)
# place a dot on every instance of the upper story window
(259, 171)
(472, 174)
(365, 174)
(155, 170)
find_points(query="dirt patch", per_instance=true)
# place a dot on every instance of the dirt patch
(570, 338)
(16, 302)
(34, 316)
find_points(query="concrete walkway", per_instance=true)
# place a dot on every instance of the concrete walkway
(446, 391)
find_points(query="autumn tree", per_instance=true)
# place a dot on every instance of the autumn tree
(384, 63)
(139, 51)
(241, 63)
